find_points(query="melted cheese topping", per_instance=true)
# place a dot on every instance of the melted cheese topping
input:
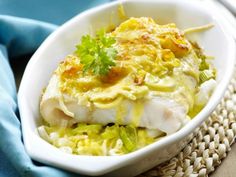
(152, 60)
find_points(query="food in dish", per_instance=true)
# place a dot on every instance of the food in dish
(124, 89)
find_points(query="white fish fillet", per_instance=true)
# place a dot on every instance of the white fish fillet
(157, 113)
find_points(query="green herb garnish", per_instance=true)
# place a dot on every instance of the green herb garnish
(97, 54)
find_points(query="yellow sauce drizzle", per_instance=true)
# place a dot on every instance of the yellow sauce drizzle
(121, 112)
(137, 112)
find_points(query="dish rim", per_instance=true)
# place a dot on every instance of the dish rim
(170, 139)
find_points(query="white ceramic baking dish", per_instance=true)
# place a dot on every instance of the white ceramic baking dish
(230, 4)
(216, 42)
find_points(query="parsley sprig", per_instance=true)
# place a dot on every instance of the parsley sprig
(97, 54)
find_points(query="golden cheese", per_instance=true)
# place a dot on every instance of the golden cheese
(152, 59)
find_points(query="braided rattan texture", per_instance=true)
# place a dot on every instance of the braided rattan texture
(209, 146)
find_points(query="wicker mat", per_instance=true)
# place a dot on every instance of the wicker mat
(210, 144)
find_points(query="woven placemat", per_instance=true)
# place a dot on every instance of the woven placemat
(210, 144)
